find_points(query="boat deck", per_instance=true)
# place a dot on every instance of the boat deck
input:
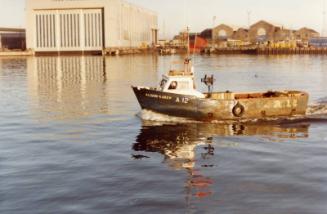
(242, 96)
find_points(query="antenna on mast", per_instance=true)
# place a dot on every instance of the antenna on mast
(249, 18)
(214, 21)
(188, 68)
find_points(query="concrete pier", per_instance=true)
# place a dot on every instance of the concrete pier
(16, 53)
(268, 51)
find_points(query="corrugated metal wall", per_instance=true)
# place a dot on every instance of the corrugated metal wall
(69, 30)
(134, 26)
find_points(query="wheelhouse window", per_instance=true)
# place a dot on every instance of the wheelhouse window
(173, 85)
(183, 85)
(162, 84)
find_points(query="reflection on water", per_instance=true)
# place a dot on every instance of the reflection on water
(71, 143)
(180, 144)
(68, 87)
(74, 87)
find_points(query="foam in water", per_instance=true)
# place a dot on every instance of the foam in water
(322, 100)
(148, 115)
(317, 109)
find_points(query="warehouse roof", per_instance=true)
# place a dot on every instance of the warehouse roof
(12, 30)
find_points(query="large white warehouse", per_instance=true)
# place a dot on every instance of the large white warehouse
(88, 25)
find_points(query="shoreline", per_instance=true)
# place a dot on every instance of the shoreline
(268, 51)
(16, 53)
(217, 51)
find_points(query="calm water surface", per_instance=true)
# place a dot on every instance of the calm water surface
(70, 140)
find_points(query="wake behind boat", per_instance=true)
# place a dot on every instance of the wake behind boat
(177, 96)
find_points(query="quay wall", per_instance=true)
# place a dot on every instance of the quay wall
(124, 51)
(268, 51)
(16, 53)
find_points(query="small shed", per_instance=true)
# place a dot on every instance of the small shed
(318, 42)
(12, 39)
(305, 34)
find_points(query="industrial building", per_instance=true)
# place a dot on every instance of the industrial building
(318, 42)
(88, 25)
(242, 34)
(306, 34)
(261, 32)
(12, 39)
(222, 32)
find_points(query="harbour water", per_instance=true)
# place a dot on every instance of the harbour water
(72, 140)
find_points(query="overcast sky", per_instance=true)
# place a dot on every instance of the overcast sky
(198, 14)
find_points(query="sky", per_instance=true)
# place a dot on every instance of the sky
(175, 15)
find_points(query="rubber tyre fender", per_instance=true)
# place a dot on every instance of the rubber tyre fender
(238, 110)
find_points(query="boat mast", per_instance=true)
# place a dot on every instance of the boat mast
(187, 61)
(188, 42)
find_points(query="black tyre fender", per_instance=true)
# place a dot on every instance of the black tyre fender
(238, 110)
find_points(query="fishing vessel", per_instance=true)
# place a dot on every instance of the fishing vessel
(176, 95)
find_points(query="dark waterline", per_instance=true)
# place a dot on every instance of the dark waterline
(70, 140)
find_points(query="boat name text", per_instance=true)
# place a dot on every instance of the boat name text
(163, 97)
(184, 100)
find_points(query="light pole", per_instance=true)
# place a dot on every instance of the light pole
(213, 26)
(249, 18)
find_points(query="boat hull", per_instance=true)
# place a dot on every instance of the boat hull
(225, 108)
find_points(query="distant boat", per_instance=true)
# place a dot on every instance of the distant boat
(177, 96)
(167, 51)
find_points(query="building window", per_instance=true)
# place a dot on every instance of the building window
(261, 32)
